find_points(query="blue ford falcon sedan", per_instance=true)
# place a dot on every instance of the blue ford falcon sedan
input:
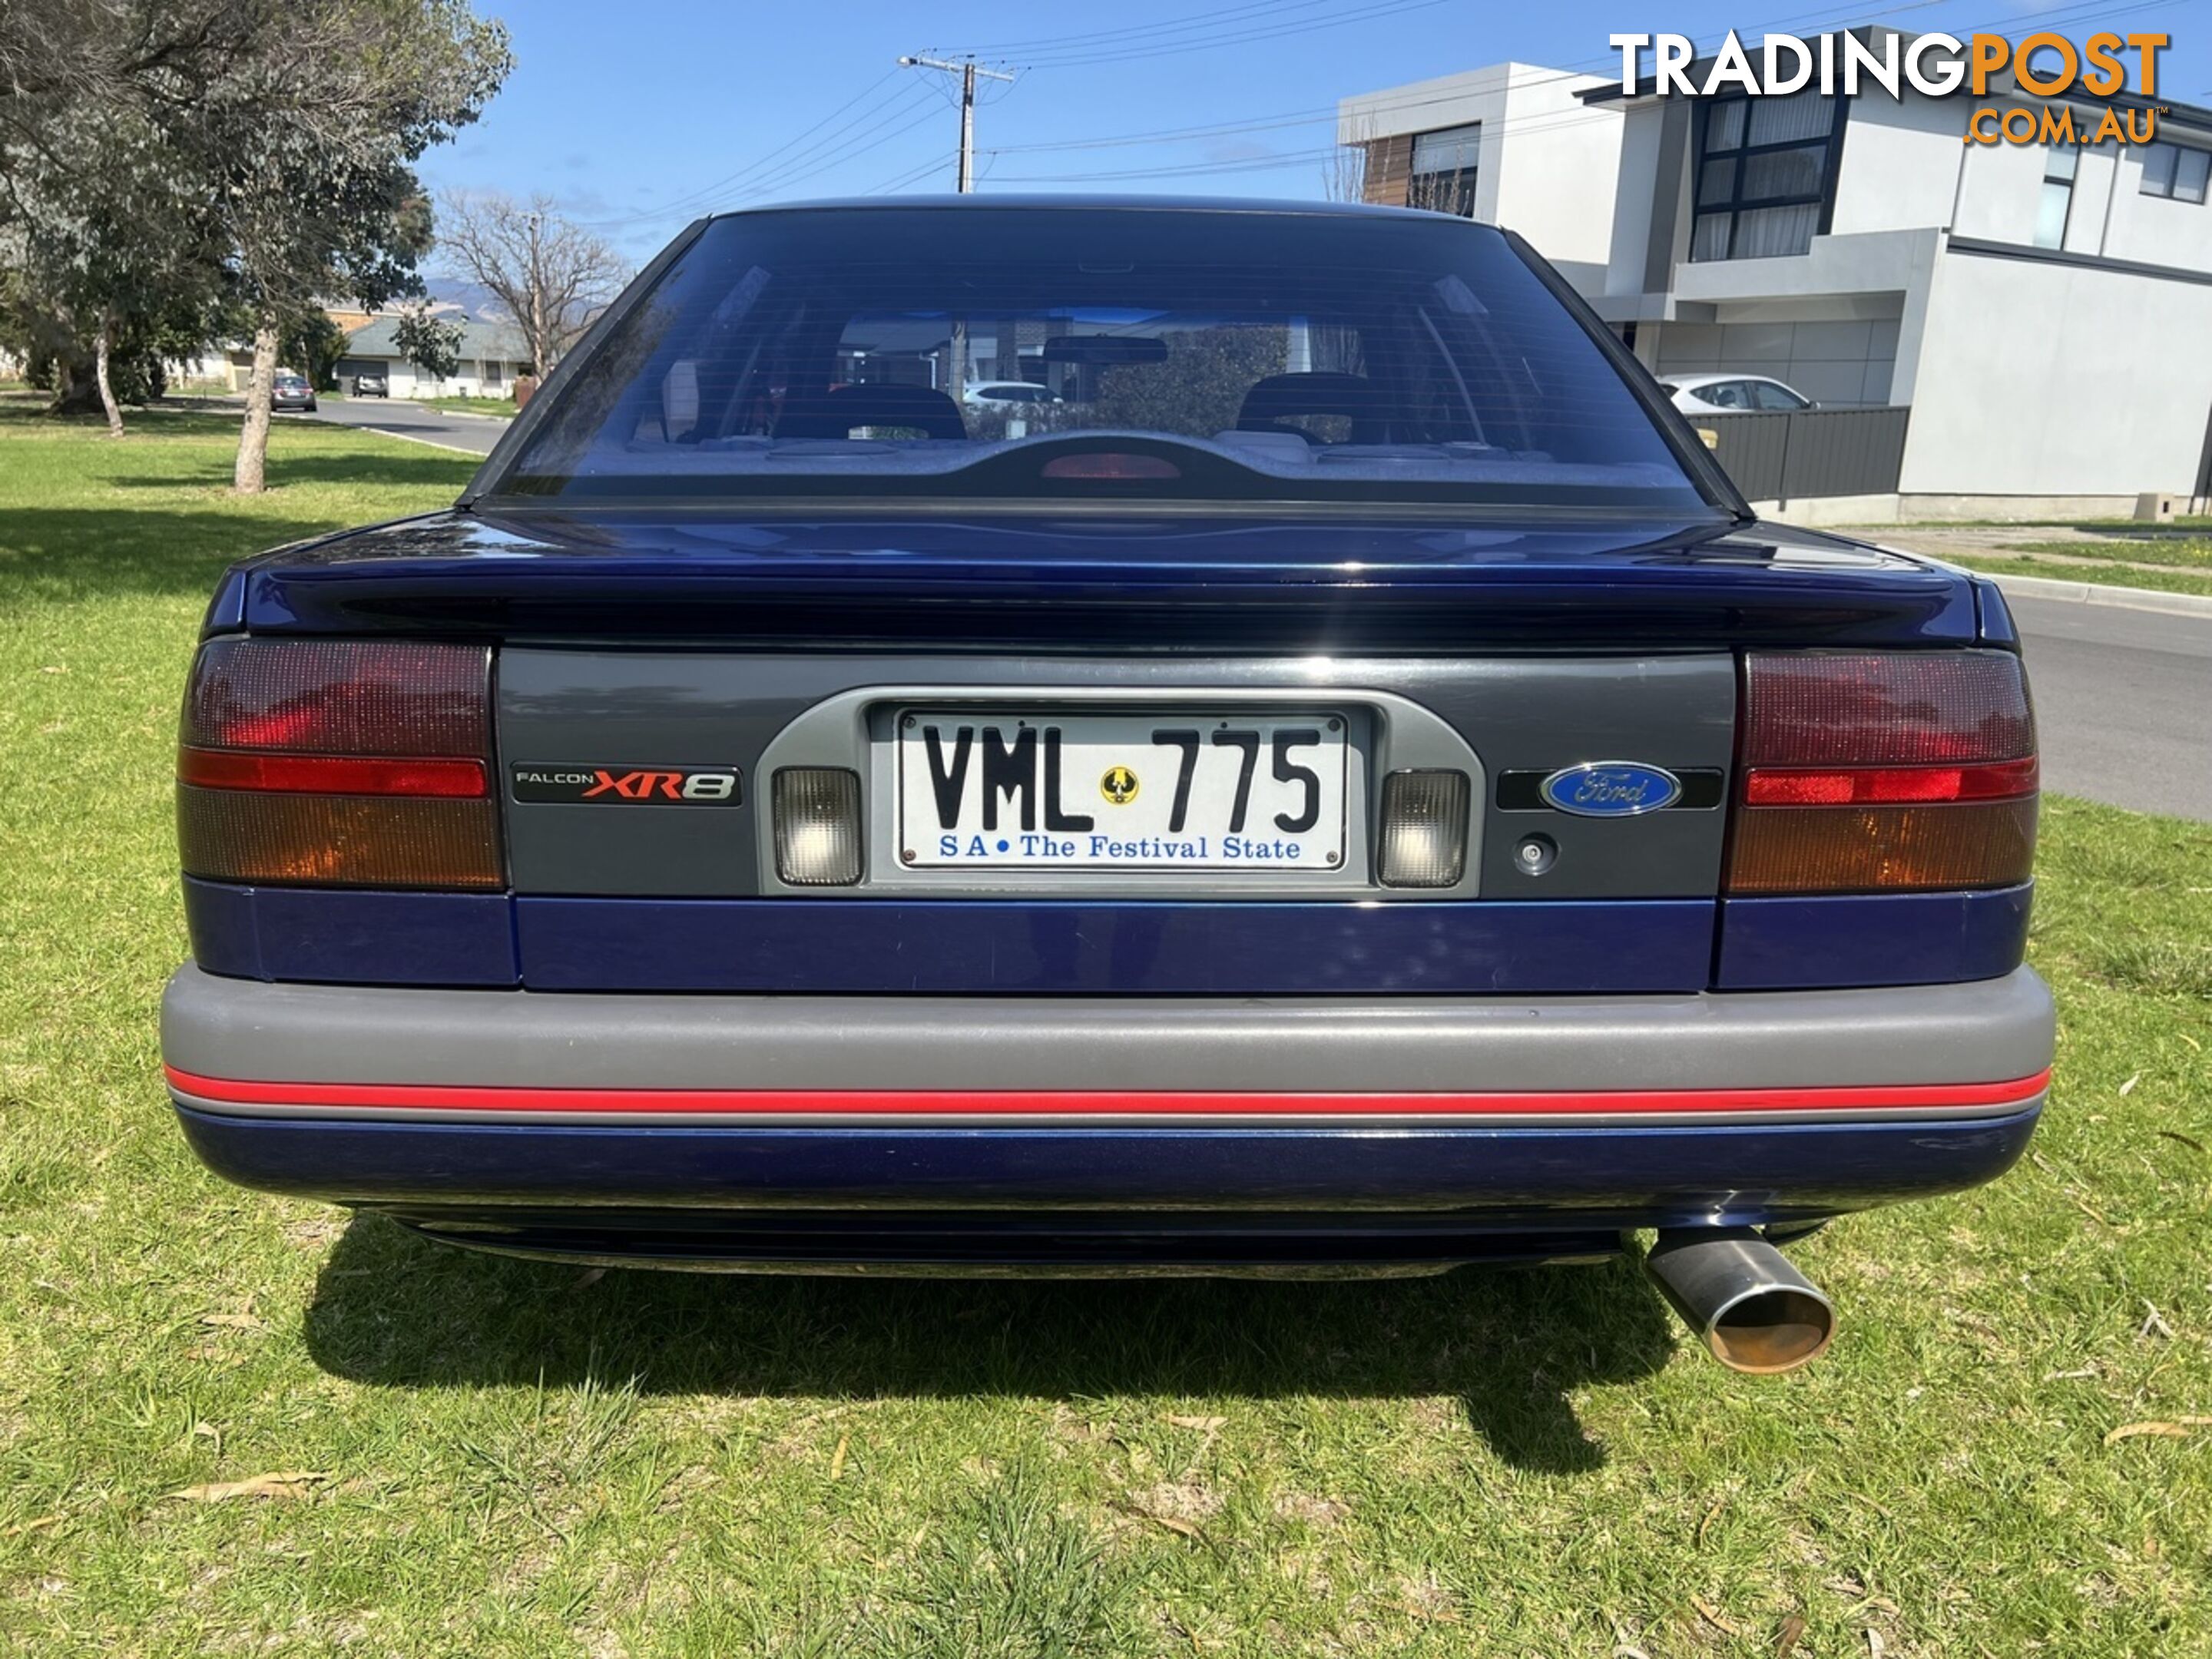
(1336, 780)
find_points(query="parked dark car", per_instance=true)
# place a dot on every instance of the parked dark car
(292, 392)
(1362, 793)
(372, 383)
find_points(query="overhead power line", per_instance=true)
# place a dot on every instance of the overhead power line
(676, 203)
(869, 121)
(2093, 10)
(1134, 50)
(899, 182)
(1315, 114)
(865, 143)
(1200, 20)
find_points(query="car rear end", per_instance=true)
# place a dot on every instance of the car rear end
(1122, 848)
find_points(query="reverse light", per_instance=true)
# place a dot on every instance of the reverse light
(1423, 828)
(339, 763)
(1884, 772)
(817, 826)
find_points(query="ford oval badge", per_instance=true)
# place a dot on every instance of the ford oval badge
(1612, 789)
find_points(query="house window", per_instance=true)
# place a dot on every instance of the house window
(2057, 198)
(2175, 172)
(1445, 168)
(490, 371)
(1766, 174)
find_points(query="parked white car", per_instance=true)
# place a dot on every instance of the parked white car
(1007, 394)
(1732, 394)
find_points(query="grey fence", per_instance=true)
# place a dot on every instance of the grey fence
(1815, 452)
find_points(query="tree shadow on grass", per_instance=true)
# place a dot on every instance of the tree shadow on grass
(63, 554)
(417, 467)
(392, 1309)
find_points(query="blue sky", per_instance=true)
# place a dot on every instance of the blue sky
(638, 119)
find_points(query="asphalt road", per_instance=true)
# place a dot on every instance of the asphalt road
(403, 419)
(2123, 703)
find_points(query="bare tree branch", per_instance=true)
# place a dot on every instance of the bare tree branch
(552, 276)
(1344, 175)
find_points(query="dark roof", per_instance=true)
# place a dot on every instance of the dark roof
(502, 341)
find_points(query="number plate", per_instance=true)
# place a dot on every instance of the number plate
(1151, 791)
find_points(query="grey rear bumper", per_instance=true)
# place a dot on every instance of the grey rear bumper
(343, 1044)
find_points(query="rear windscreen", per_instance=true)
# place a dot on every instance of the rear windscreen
(1053, 353)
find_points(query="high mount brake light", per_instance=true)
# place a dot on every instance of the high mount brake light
(339, 763)
(1111, 463)
(1884, 772)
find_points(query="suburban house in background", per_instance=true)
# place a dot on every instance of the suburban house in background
(215, 368)
(228, 367)
(2036, 318)
(492, 356)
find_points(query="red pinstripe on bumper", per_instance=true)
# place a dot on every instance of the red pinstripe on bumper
(1077, 1103)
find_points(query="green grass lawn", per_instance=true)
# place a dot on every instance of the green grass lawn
(499, 407)
(488, 1457)
(2182, 552)
(2091, 527)
(2165, 578)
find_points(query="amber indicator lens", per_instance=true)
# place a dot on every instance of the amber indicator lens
(337, 841)
(1821, 850)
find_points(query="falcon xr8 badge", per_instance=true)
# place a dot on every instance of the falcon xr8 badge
(1612, 789)
(626, 785)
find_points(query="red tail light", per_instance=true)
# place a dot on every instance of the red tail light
(1884, 772)
(339, 763)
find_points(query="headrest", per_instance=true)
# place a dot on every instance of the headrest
(1320, 392)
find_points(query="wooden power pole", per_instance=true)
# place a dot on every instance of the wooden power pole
(969, 72)
(957, 352)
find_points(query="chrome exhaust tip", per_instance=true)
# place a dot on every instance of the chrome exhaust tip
(1753, 1311)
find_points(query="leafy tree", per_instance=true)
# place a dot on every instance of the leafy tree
(157, 156)
(310, 143)
(315, 344)
(432, 343)
(552, 276)
(108, 258)
(1199, 392)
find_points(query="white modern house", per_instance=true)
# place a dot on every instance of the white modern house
(2044, 310)
(492, 356)
(1498, 144)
